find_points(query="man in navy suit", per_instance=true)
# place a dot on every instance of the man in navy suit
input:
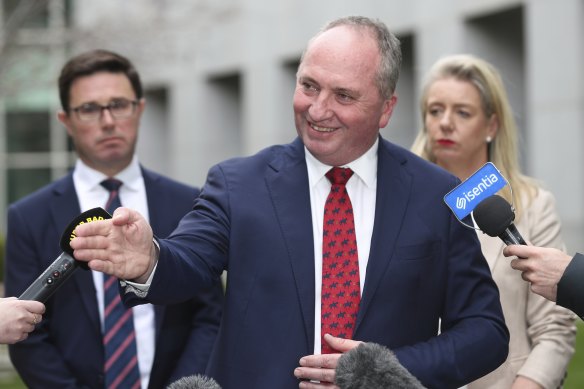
(102, 102)
(425, 289)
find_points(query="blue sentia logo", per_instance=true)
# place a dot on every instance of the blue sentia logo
(467, 195)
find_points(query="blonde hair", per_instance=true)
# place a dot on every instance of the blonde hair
(503, 150)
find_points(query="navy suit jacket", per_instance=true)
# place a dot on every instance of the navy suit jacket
(571, 288)
(66, 351)
(253, 218)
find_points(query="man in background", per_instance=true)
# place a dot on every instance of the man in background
(87, 338)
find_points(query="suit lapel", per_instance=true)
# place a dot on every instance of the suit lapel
(288, 175)
(393, 192)
(65, 207)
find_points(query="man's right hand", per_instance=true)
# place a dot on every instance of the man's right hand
(542, 267)
(121, 246)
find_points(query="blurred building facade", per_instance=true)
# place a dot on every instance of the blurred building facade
(219, 77)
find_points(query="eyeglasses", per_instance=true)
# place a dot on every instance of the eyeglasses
(119, 109)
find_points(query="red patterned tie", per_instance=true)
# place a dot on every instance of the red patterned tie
(340, 263)
(119, 340)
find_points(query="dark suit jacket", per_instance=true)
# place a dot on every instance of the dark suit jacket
(571, 287)
(254, 218)
(66, 351)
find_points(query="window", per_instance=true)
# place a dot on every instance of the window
(21, 182)
(27, 14)
(27, 131)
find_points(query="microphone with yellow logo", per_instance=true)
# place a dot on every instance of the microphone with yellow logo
(63, 267)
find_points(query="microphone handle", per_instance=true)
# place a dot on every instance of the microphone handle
(51, 279)
(512, 236)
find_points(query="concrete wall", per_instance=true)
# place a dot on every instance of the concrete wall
(227, 70)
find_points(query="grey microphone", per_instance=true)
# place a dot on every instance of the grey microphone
(196, 381)
(371, 365)
(65, 265)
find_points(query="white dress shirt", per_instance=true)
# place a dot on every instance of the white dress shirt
(362, 188)
(133, 195)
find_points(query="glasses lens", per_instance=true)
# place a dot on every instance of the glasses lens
(121, 108)
(89, 111)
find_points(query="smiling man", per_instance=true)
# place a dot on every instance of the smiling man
(338, 233)
(77, 343)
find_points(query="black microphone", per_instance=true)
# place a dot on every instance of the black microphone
(65, 265)
(195, 382)
(371, 365)
(494, 216)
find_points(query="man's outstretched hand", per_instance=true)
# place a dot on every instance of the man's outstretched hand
(121, 246)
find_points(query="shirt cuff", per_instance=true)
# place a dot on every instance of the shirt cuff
(141, 290)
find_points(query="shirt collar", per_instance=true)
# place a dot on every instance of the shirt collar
(90, 179)
(364, 167)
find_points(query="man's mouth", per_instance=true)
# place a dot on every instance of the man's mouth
(321, 129)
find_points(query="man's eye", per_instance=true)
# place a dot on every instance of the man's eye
(345, 97)
(308, 87)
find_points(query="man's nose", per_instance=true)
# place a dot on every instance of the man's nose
(106, 116)
(320, 109)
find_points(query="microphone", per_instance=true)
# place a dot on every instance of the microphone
(494, 216)
(371, 365)
(195, 382)
(65, 265)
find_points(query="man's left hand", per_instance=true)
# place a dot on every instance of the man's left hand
(319, 370)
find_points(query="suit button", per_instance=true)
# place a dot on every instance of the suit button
(100, 379)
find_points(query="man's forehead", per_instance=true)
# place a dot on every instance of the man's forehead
(101, 85)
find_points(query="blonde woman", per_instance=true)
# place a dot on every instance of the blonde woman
(467, 121)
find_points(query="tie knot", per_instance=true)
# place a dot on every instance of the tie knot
(339, 175)
(111, 184)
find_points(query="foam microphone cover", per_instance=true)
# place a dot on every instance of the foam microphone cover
(90, 215)
(494, 215)
(196, 381)
(371, 365)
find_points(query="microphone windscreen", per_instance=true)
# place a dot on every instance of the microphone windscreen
(88, 216)
(371, 365)
(196, 381)
(494, 215)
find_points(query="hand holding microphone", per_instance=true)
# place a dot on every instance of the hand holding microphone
(542, 267)
(65, 265)
(18, 318)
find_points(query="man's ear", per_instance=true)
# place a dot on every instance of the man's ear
(388, 106)
(64, 118)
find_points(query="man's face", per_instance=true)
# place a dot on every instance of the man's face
(106, 144)
(338, 109)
